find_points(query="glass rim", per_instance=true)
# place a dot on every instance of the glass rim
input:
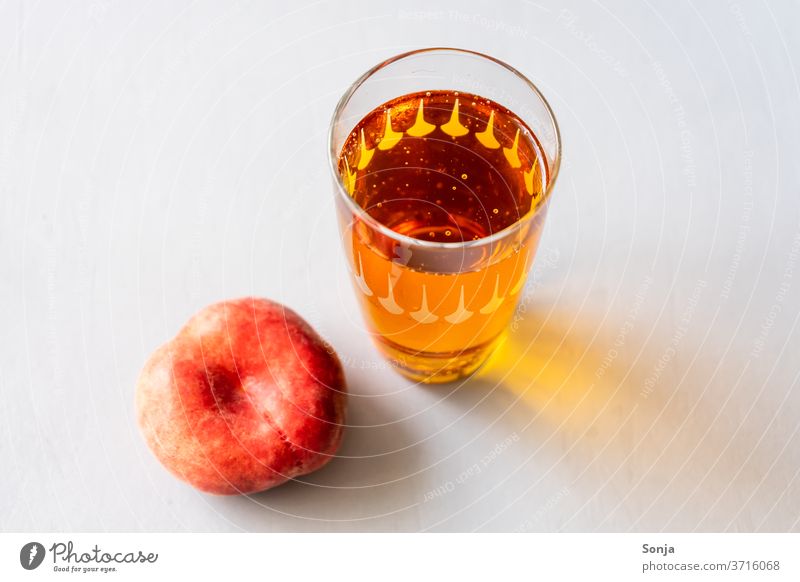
(358, 210)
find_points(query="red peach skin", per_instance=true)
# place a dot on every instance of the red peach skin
(245, 397)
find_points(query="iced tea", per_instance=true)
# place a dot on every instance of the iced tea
(450, 169)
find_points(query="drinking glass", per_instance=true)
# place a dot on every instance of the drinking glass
(437, 309)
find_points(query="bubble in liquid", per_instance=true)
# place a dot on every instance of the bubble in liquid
(447, 233)
(495, 210)
(463, 176)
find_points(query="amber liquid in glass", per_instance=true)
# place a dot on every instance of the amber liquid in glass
(442, 167)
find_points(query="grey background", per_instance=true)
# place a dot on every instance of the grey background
(159, 156)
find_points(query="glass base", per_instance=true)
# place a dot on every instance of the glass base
(435, 367)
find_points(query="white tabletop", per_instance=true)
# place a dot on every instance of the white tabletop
(156, 157)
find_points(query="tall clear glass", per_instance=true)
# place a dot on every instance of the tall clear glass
(437, 309)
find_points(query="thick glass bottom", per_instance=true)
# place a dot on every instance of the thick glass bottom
(436, 367)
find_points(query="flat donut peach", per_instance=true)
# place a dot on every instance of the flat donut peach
(244, 398)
